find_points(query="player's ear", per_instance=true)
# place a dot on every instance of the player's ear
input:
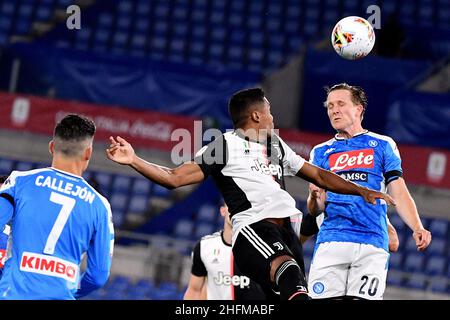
(88, 153)
(51, 147)
(223, 211)
(255, 116)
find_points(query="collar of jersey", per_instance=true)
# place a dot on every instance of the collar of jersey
(223, 240)
(67, 173)
(356, 135)
(240, 135)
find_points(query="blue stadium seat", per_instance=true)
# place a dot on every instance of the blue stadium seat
(203, 229)
(25, 11)
(414, 262)
(208, 213)
(438, 228)
(435, 266)
(119, 201)
(121, 183)
(24, 166)
(395, 260)
(105, 20)
(43, 13)
(438, 246)
(160, 191)
(104, 179)
(123, 23)
(118, 217)
(138, 204)
(6, 166)
(141, 186)
(439, 285)
(101, 36)
(183, 228)
(7, 8)
(395, 279)
(416, 281)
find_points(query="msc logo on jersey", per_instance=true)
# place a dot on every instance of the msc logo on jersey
(348, 160)
(224, 279)
(354, 176)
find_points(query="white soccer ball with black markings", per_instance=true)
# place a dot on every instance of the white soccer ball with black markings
(353, 37)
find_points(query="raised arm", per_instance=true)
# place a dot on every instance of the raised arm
(330, 181)
(122, 152)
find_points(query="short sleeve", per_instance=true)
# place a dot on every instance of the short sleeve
(198, 267)
(292, 162)
(212, 157)
(392, 162)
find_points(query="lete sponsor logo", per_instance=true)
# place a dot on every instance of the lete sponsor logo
(357, 159)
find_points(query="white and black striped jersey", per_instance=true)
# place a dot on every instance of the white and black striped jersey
(212, 258)
(250, 176)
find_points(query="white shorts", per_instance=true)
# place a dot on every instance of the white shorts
(348, 269)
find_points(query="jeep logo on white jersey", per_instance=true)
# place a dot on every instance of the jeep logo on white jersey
(269, 169)
(224, 279)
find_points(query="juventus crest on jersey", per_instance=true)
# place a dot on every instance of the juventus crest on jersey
(250, 176)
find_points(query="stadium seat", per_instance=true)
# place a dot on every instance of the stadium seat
(414, 262)
(121, 183)
(183, 229)
(138, 204)
(204, 229)
(438, 246)
(396, 260)
(435, 265)
(104, 180)
(6, 166)
(438, 228)
(141, 186)
(416, 281)
(119, 201)
(208, 213)
(24, 166)
(160, 191)
(395, 278)
(439, 285)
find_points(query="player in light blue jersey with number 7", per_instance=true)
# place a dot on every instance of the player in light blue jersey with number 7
(57, 218)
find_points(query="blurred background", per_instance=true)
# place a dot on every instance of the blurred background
(143, 68)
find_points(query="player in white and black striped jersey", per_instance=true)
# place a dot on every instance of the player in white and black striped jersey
(248, 165)
(214, 275)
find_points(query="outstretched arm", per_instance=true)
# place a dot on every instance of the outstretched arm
(330, 181)
(407, 210)
(122, 152)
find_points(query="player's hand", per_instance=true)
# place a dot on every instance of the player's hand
(317, 194)
(371, 196)
(422, 238)
(393, 239)
(120, 151)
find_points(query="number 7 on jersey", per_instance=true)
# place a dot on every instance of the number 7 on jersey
(63, 215)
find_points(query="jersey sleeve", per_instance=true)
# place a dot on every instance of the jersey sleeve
(292, 162)
(99, 254)
(212, 157)
(392, 162)
(7, 199)
(198, 267)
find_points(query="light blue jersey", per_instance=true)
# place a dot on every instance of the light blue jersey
(56, 217)
(370, 160)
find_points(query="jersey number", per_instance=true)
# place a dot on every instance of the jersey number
(373, 286)
(67, 207)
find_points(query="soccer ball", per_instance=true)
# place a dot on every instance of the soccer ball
(353, 37)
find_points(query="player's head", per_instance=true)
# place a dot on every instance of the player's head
(73, 137)
(250, 109)
(345, 105)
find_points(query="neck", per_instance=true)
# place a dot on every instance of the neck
(227, 233)
(69, 165)
(254, 134)
(348, 133)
